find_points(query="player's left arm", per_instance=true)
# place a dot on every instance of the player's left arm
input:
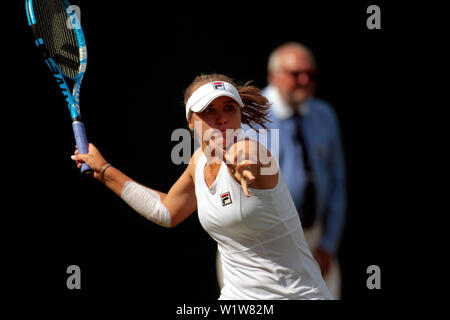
(252, 164)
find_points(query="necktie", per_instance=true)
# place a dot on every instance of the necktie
(308, 208)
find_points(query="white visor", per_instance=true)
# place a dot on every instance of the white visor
(205, 94)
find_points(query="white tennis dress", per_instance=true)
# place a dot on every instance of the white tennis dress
(263, 250)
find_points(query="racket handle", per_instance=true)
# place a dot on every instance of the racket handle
(82, 144)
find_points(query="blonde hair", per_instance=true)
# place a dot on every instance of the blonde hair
(256, 106)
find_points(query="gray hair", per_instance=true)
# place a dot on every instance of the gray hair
(275, 57)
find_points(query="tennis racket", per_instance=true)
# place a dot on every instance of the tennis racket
(56, 27)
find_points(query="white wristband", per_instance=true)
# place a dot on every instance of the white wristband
(146, 202)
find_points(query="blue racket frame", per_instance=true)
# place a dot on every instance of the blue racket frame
(72, 98)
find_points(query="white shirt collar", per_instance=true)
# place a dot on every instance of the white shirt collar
(280, 108)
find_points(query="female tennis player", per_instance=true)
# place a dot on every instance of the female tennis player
(249, 213)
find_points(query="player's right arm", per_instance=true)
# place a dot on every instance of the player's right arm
(164, 209)
(181, 200)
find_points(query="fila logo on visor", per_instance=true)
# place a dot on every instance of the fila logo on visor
(226, 198)
(219, 85)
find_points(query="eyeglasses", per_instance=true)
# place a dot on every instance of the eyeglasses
(312, 74)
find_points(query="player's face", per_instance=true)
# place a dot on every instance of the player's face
(222, 114)
(295, 80)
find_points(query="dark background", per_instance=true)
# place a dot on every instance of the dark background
(140, 60)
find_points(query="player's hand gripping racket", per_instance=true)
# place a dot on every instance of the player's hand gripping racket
(58, 33)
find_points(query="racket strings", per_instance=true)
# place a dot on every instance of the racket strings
(60, 40)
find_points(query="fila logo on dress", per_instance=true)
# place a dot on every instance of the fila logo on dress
(226, 198)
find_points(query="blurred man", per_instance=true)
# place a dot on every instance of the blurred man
(310, 153)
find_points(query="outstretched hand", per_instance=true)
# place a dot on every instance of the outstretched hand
(244, 171)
